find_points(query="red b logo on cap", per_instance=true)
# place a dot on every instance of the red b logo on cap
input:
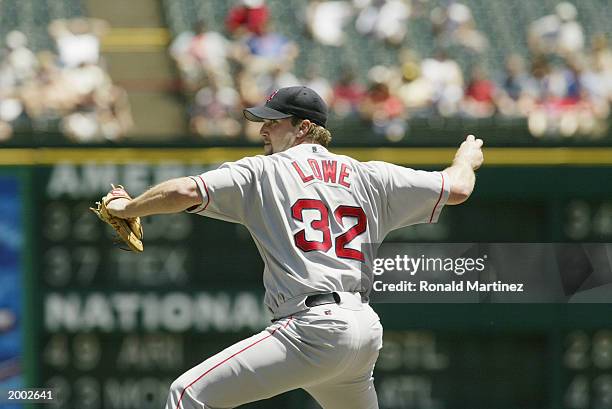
(271, 96)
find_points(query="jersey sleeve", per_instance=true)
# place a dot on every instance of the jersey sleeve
(227, 191)
(408, 196)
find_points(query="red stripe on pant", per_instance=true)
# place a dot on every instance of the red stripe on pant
(178, 404)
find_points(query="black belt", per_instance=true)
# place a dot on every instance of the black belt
(322, 299)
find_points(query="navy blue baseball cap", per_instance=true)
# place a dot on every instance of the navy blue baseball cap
(301, 102)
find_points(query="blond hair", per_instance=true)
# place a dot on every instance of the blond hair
(316, 133)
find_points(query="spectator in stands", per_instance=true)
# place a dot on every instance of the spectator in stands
(19, 59)
(8, 80)
(540, 70)
(455, 25)
(599, 78)
(447, 80)
(601, 54)
(49, 95)
(188, 67)
(598, 82)
(265, 52)
(11, 107)
(556, 85)
(558, 33)
(347, 94)
(201, 54)
(325, 21)
(78, 40)
(573, 73)
(479, 100)
(80, 126)
(247, 18)
(271, 45)
(99, 109)
(85, 80)
(381, 108)
(215, 111)
(517, 93)
(250, 94)
(516, 81)
(588, 90)
(17, 67)
(386, 19)
(415, 91)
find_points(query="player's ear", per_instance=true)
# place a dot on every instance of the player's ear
(304, 128)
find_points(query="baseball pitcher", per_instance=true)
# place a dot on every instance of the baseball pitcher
(311, 214)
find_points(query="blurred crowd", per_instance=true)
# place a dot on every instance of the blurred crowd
(66, 89)
(564, 87)
(222, 74)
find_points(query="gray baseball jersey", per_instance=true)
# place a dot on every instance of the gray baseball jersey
(310, 213)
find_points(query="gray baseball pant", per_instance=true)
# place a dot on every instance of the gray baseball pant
(329, 351)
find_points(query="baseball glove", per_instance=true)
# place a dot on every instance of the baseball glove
(128, 230)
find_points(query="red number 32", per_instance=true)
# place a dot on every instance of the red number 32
(322, 225)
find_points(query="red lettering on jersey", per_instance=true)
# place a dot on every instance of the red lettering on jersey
(344, 172)
(329, 170)
(314, 165)
(304, 178)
